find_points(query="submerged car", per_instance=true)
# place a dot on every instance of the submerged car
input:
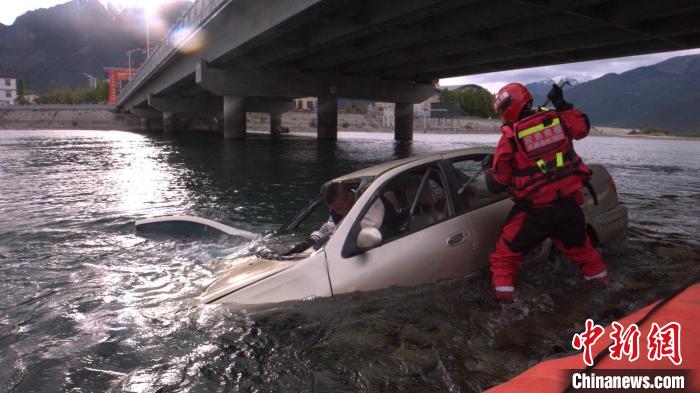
(448, 224)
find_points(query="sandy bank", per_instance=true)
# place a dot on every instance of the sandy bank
(107, 118)
(81, 118)
(306, 122)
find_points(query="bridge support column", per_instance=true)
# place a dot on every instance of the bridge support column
(327, 122)
(169, 122)
(403, 121)
(234, 117)
(144, 124)
(275, 123)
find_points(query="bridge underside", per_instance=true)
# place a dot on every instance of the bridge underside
(393, 50)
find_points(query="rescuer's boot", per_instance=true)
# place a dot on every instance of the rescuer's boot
(504, 296)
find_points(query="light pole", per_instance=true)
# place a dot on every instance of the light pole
(148, 12)
(128, 55)
(91, 79)
(148, 39)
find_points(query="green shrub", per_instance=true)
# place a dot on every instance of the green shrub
(82, 95)
(474, 101)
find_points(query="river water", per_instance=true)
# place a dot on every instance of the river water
(87, 305)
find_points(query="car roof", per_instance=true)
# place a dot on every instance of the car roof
(377, 170)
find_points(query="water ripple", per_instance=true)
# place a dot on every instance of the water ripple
(87, 305)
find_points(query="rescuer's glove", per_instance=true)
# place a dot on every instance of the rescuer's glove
(556, 95)
(487, 162)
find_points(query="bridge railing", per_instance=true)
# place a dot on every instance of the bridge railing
(188, 24)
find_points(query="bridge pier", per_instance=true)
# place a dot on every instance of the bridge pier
(275, 123)
(144, 124)
(234, 117)
(169, 122)
(403, 121)
(327, 119)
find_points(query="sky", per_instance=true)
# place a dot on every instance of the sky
(592, 69)
(11, 9)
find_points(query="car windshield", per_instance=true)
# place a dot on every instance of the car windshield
(309, 219)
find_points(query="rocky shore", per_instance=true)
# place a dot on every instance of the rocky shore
(108, 118)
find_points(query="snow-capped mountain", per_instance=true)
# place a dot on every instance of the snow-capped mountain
(539, 89)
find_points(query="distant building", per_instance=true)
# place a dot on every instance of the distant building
(386, 110)
(423, 109)
(8, 90)
(354, 106)
(31, 98)
(306, 103)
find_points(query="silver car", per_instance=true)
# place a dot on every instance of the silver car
(447, 224)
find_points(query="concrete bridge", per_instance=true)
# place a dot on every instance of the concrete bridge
(229, 57)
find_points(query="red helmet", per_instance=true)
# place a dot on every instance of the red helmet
(510, 101)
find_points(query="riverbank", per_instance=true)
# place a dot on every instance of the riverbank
(63, 117)
(305, 122)
(86, 117)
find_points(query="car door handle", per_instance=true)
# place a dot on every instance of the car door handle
(455, 239)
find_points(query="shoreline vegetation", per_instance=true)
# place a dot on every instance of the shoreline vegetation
(85, 118)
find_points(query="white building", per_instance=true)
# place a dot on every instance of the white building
(423, 109)
(8, 90)
(306, 103)
(387, 113)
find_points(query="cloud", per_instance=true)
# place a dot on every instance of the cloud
(594, 69)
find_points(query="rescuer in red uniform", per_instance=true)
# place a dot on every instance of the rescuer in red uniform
(536, 162)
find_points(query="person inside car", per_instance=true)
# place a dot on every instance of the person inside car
(340, 198)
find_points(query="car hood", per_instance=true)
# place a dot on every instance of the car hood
(245, 271)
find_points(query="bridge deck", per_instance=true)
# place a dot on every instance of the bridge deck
(411, 41)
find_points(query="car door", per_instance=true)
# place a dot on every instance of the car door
(427, 243)
(484, 212)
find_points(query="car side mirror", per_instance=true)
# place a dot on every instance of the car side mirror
(368, 238)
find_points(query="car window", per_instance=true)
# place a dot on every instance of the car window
(410, 202)
(471, 187)
(314, 220)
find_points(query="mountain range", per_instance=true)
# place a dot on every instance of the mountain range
(57, 45)
(663, 96)
(539, 89)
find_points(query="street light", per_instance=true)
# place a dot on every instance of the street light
(148, 12)
(128, 54)
(148, 39)
(91, 79)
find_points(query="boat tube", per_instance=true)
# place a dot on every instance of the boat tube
(682, 308)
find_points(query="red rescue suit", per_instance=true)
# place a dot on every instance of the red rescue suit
(535, 161)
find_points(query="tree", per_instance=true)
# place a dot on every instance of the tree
(474, 101)
(20, 91)
(102, 90)
(84, 95)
